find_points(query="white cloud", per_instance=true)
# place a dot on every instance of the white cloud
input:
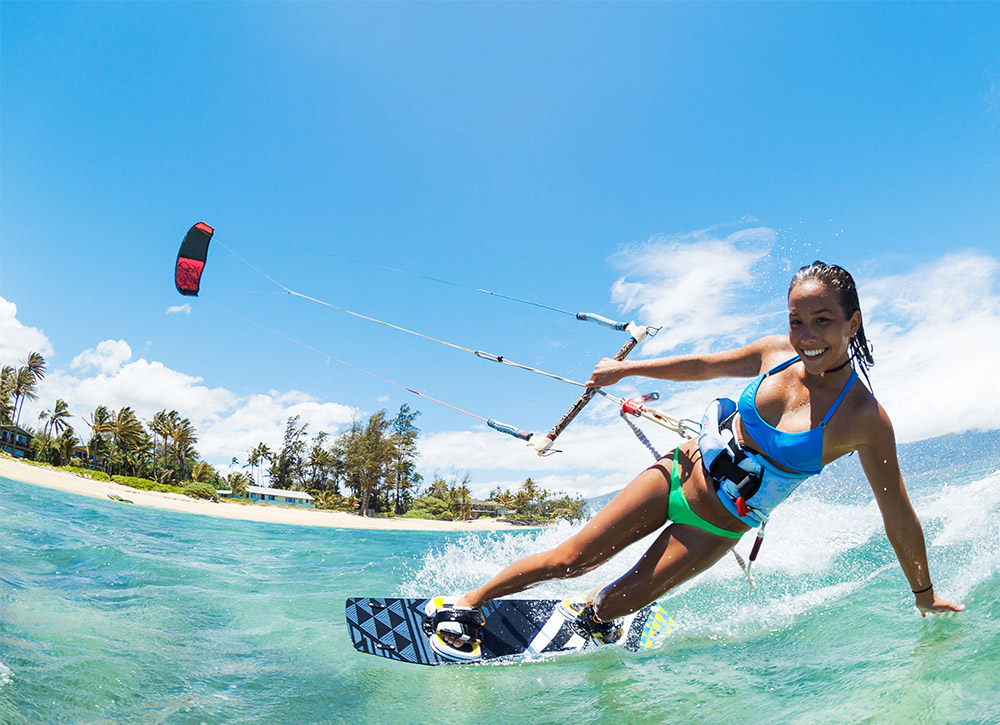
(107, 357)
(184, 309)
(143, 385)
(228, 424)
(261, 417)
(936, 331)
(694, 285)
(17, 339)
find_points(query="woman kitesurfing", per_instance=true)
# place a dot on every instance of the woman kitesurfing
(803, 409)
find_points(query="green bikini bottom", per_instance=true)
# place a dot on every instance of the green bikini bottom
(679, 511)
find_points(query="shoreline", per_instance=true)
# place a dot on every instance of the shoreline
(263, 513)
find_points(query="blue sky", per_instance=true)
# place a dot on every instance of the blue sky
(671, 163)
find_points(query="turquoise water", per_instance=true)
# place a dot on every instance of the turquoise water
(115, 613)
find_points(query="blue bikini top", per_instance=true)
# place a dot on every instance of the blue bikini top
(798, 452)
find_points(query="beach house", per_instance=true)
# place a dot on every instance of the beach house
(15, 440)
(486, 508)
(83, 458)
(279, 496)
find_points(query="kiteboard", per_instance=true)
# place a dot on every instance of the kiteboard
(515, 629)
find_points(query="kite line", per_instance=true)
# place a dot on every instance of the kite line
(582, 316)
(195, 247)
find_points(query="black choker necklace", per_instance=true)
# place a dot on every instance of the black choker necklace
(839, 367)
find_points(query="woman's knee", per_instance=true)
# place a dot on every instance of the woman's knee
(567, 561)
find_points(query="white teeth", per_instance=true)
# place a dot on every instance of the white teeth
(812, 353)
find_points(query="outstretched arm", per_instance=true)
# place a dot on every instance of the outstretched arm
(741, 362)
(878, 458)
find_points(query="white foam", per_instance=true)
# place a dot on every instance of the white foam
(805, 537)
(734, 619)
(967, 513)
(473, 560)
(967, 523)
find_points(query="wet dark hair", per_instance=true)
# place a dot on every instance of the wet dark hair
(841, 280)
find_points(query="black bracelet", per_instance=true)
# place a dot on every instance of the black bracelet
(923, 590)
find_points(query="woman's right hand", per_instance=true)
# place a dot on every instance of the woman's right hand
(607, 372)
(930, 603)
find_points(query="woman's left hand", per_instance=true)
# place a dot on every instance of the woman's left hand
(932, 604)
(607, 372)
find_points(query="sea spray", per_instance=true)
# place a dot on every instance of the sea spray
(472, 560)
(964, 529)
(816, 553)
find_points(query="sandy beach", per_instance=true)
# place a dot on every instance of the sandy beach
(73, 483)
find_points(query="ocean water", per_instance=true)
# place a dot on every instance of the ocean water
(111, 613)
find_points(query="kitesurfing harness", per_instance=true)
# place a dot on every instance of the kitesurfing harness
(724, 458)
(729, 466)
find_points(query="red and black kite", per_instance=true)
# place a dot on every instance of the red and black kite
(191, 258)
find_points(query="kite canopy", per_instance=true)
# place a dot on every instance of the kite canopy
(191, 259)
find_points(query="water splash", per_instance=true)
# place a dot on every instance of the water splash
(816, 552)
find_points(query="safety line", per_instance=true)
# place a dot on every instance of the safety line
(541, 443)
(350, 365)
(453, 284)
(478, 353)
(582, 316)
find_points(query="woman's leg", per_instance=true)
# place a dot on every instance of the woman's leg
(639, 510)
(678, 554)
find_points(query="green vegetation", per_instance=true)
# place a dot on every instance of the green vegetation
(430, 507)
(369, 469)
(96, 475)
(196, 489)
(144, 484)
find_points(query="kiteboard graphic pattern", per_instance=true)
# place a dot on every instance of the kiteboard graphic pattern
(515, 628)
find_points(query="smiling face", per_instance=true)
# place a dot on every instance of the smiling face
(818, 328)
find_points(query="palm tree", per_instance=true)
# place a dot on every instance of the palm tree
(44, 447)
(462, 494)
(56, 418)
(158, 427)
(320, 462)
(100, 424)
(36, 365)
(65, 444)
(202, 473)
(542, 502)
(182, 439)
(528, 493)
(439, 488)
(23, 389)
(575, 510)
(138, 453)
(256, 460)
(26, 380)
(238, 483)
(126, 433)
(7, 376)
(505, 499)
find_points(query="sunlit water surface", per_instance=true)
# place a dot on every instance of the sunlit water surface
(115, 613)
